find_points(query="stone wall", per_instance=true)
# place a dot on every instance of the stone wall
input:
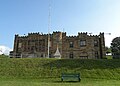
(82, 46)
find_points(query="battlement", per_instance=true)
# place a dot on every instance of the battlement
(72, 36)
(94, 35)
(34, 33)
(82, 33)
(56, 31)
(37, 33)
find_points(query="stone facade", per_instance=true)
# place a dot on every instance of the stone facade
(82, 46)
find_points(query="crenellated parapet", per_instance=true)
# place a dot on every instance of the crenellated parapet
(30, 34)
(56, 31)
(34, 33)
(94, 36)
(63, 34)
(101, 34)
(16, 35)
(82, 33)
(72, 37)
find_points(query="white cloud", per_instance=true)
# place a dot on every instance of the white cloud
(4, 50)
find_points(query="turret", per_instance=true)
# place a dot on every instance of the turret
(102, 45)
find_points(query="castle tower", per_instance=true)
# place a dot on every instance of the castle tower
(57, 44)
(102, 45)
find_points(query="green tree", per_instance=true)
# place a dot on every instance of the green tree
(4, 56)
(115, 48)
(107, 49)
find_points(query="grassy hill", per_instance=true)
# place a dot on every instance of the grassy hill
(39, 68)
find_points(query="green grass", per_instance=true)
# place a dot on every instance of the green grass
(57, 82)
(4, 56)
(38, 68)
(47, 72)
(109, 57)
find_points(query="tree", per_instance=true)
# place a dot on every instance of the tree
(107, 50)
(115, 48)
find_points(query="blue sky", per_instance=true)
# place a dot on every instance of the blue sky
(73, 16)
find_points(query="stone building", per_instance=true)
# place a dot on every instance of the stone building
(83, 46)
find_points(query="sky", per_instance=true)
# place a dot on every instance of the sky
(71, 16)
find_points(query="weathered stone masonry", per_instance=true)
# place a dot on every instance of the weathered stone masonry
(82, 46)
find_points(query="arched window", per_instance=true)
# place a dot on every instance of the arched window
(95, 43)
(71, 55)
(82, 43)
(71, 44)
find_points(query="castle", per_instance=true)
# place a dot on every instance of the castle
(82, 46)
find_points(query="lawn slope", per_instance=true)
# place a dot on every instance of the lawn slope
(39, 68)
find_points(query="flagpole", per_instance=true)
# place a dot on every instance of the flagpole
(49, 23)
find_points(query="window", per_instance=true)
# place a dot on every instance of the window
(32, 48)
(41, 55)
(50, 56)
(19, 45)
(96, 55)
(82, 42)
(71, 44)
(71, 55)
(95, 43)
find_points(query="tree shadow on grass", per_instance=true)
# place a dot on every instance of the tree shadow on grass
(66, 82)
(84, 64)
